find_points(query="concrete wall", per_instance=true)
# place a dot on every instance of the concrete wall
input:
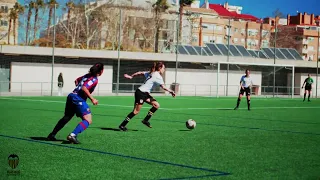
(204, 82)
(141, 56)
(299, 80)
(303, 77)
(36, 77)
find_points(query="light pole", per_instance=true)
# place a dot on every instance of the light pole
(274, 57)
(318, 29)
(53, 46)
(228, 56)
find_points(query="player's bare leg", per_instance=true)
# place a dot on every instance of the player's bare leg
(155, 107)
(238, 101)
(136, 110)
(304, 97)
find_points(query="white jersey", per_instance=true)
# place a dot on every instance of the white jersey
(246, 81)
(153, 79)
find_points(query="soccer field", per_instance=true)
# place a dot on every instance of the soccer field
(277, 139)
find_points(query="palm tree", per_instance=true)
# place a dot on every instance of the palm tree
(11, 17)
(30, 8)
(182, 3)
(52, 4)
(17, 9)
(70, 5)
(38, 5)
(159, 7)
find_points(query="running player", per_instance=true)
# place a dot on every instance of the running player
(76, 104)
(308, 88)
(245, 84)
(142, 95)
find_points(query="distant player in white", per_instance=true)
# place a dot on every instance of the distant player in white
(142, 95)
(245, 87)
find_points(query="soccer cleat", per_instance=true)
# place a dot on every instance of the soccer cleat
(236, 108)
(73, 139)
(147, 124)
(51, 137)
(123, 128)
(309, 101)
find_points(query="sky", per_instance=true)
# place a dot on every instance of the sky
(264, 8)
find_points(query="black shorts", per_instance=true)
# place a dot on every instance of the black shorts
(245, 90)
(308, 88)
(141, 97)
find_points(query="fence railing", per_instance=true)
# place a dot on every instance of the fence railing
(109, 89)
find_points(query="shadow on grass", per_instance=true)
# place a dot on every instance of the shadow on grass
(46, 139)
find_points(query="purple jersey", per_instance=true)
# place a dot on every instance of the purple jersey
(89, 81)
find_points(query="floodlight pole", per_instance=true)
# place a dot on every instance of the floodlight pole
(53, 46)
(119, 42)
(317, 62)
(176, 71)
(274, 57)
(229, 26)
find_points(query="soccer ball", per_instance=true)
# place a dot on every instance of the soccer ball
(191, 124)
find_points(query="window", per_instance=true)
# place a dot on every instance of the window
(242, 40)
(205, 39)
(219, 39)
(236, 30)
(235, 40)
(265, 32)
(265, 43)
(4, 9)
(310, 39)
(3, 23)
(194, 38)
(310, 48)
(218, 28)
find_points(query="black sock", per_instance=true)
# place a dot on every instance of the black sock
(61, 123)
(248, 102)
(304, 98)
(309, 96)
(238, 102)
(150, 113)
(127, 119)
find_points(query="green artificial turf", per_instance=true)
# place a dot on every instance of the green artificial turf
(278, 139)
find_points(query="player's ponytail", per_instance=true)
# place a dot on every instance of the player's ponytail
(96, 69)
(153, 68)
(158, 66)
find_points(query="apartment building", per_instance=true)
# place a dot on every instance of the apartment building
(301, 31)
(215, 21)
(5, 6)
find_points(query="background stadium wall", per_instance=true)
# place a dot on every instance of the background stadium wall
(36, 77)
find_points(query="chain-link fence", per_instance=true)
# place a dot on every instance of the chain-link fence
(47, 39)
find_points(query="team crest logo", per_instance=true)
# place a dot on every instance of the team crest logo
(13, 161)
(141, 100)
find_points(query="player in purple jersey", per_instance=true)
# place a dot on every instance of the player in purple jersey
(76, 103)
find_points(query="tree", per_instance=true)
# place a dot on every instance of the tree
(182, 4)
(12, 15)
(159, 7)
(70, 6)
(30, 7)
(52, 4)
(17, 10)
(39, 4)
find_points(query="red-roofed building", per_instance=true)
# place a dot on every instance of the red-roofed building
(245, 29)
(299, 32)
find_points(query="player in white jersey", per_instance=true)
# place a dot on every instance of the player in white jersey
(142, 95)
(245, 84)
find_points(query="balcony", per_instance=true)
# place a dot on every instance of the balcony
(312, 33)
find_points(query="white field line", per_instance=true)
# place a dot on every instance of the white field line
(169, 109)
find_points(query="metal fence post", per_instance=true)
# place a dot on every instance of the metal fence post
(21, 89)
